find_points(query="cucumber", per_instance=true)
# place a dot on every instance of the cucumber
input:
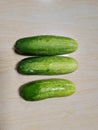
(47, 88)
(47, 65)
(45, 45)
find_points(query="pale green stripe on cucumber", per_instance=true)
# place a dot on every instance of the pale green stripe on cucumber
(46, 45)
(47, 65)
(47, 88)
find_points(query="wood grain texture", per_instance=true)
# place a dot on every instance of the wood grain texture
(77, 19)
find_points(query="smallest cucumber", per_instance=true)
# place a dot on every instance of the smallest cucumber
(47, 88)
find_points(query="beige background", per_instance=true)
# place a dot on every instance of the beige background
(74, 18)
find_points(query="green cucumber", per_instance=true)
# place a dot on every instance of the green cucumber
(45, 45)
(47, 65)
(48, 88)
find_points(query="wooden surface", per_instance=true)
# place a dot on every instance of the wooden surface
(74, 18)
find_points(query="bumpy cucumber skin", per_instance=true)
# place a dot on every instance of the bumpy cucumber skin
(42, 89)
(46, 45)
(48, 65)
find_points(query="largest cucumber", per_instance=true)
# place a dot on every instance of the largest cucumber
(47, 65)
(41, 89)
(45, 45)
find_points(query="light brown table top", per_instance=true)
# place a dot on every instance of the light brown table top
(73, 18)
